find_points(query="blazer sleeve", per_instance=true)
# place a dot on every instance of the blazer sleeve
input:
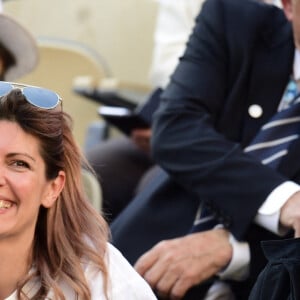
(188, 140)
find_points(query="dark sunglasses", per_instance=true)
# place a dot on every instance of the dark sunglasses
(36, 96)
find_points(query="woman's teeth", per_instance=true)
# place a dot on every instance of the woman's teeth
(5, 204)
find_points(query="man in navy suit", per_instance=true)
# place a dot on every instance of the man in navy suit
(229, 82)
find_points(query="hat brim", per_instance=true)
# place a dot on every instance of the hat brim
(21, 44)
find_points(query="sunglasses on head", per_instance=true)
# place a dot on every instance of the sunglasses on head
(36, 96)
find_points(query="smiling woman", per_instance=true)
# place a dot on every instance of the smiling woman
(54, 242)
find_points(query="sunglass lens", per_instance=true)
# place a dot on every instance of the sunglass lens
(41, 97)
(5, 88)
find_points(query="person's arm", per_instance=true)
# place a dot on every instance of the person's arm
(188, 140)
(268, 215)
(172, 267)
(212, 253)
(238, 266)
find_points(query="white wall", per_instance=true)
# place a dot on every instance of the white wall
(120, 30)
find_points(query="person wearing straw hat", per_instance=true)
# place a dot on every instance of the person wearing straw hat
(18, 49)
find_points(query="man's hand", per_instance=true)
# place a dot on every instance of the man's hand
(290, 214)
(173, 266)
(142, 138)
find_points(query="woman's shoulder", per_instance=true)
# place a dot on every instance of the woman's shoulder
(125, 282)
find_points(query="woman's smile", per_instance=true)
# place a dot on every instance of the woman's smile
(4, 204)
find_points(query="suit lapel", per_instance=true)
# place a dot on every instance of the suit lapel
(271, 68)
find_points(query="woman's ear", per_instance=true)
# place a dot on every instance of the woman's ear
(288, 9)
(54, 189)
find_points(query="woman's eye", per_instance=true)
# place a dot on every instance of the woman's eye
(20, 164)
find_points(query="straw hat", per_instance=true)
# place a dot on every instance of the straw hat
(21, 44)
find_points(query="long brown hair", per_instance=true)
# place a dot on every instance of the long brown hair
(71, 231)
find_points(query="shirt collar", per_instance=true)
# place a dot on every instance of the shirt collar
(297, 65)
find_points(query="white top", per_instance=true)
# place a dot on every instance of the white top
(125, 282)
(174, 23)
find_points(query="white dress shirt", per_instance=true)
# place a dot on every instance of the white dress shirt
(174, 23)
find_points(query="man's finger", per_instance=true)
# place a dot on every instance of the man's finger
(144, 263)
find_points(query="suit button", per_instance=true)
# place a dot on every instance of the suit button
(255, 111)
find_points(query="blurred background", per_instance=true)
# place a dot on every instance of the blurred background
(120, 30)
(117, 35)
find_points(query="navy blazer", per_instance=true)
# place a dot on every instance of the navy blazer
(240, 53)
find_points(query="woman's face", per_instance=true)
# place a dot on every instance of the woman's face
(23, 185)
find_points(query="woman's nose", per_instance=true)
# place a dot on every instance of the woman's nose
(2, 176)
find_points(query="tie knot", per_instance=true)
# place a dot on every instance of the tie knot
(290, 94)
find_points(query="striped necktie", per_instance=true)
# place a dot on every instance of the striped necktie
(274, 138)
